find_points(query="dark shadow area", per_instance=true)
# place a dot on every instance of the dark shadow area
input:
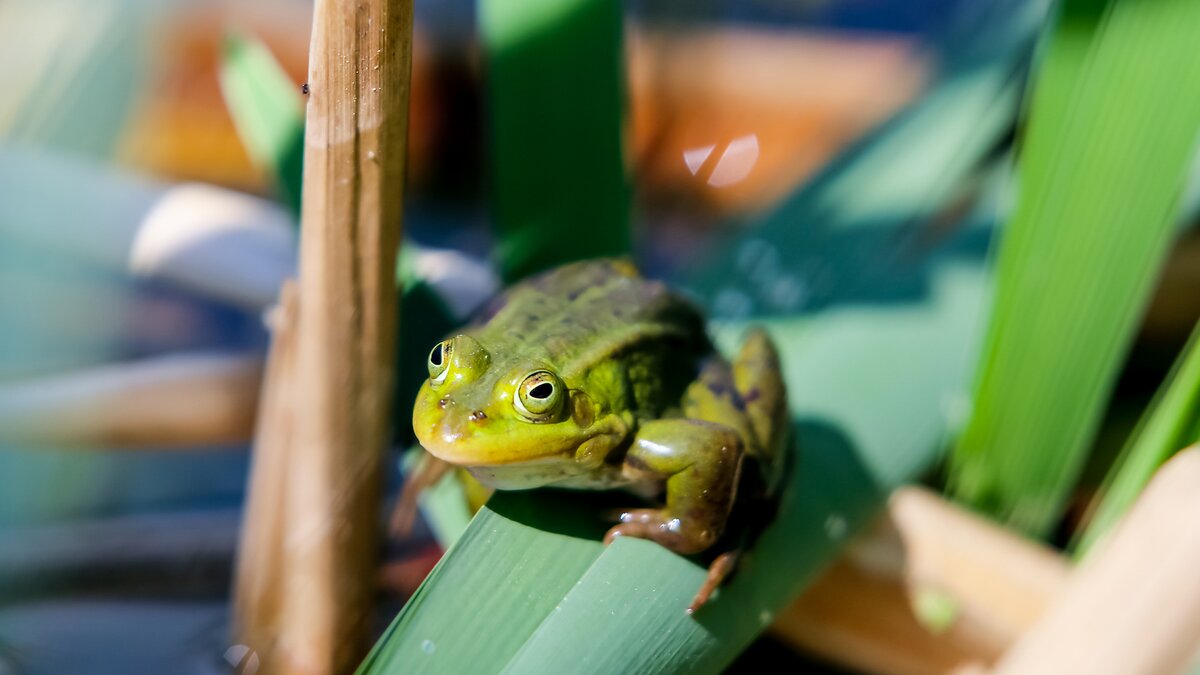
(828, 497)
(822, 268)
(583, 514)
(291, 171)
(556, 97)
(424, 320)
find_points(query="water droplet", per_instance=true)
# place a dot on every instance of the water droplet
(731, 303)
(427, 646)
(956, 409)
(936, 610)
(787, 292)
(835, 526)
(764, 617)
(751, 254)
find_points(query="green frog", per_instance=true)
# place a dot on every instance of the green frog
(591, 376)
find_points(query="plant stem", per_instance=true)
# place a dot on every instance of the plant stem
(322, 561)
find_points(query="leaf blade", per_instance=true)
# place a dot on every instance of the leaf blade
(1100, 175)
(267, 112)
(1171, 423)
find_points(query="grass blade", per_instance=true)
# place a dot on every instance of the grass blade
(1113, 121)
(267, 111)
(1171, 423)
(555, 94)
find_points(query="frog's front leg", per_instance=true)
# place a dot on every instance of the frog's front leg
(699, 463)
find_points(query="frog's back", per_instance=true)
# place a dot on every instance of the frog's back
(581, 314)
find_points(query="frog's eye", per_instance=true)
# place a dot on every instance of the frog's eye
(439, 360)
(539, 395)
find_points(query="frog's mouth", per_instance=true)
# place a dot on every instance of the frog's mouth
(527, 474)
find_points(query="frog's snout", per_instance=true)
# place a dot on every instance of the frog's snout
(447, 421)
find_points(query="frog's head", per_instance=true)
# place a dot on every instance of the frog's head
(513, 422)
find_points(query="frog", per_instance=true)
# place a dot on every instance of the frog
(592, 376)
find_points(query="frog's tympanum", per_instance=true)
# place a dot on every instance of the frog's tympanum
(590, 376)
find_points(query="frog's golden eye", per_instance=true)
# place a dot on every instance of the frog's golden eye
(439, 361)
(539, 395)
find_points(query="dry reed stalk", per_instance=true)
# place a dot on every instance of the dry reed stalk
(1133, 607)
(990, 586)
(321, 571)
(175, 401)
(260, 562)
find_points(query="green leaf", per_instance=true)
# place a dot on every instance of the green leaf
(489, 591)
(1112, 128)
(1171, 423)
(267, 111)
(555, 113)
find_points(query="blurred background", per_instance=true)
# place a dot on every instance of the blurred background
(837, 169)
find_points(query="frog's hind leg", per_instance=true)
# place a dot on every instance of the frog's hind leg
(759, 383)
(747, 396)
(699, 463)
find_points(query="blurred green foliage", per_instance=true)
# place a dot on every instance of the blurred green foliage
(1111, 134)
(1171, 423)
(555, 96)
(266, 108)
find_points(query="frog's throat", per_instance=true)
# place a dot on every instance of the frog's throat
(532, 474)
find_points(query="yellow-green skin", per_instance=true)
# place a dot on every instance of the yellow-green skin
(636, 398)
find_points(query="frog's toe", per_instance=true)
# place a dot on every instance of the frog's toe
(672, 533)
(718, 571)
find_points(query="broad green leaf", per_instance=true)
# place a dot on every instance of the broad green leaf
(492, 588)
(1112, 129)
(267, 111)
(555, 113)
(1171, 423)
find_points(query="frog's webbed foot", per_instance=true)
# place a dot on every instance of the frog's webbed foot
(647, 524)
(659, 525)
(698, 462)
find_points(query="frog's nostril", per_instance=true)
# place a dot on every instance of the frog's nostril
(444, 401)
(477, 416)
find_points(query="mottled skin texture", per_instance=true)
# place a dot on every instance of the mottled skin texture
(589, 376)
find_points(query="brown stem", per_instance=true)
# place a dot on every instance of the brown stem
(321, 567)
